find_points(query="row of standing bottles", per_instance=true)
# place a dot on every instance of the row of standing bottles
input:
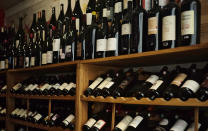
(109, 28)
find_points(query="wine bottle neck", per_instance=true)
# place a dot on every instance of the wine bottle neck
(34, 19)
(20, 23)
(43, 16)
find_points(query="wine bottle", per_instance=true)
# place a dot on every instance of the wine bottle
(68, 14)
(190, 22)
(89, 10)
(60, 21)
(11, 50)
(77, 13)
(73, 38)
(126, 31)
(49, 49)
(180, 124)
(110, 10)
(154, 27)
(33, 29)
(69, 122)
(191, 85)
(27, 54)
(45, 121)
(118, 9)
(90, 122)
(43, 34)
(172, 90)
(123, 124)
(20, 54)
(139, 28)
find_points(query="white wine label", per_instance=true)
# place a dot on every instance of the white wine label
(90, 122)
(69, 86)
(33, 87)
(30, 113)
(56, 44)
(101, 45)
(17, 86)
(152, 79)
(6, 63)
(169, 28)
(192, 85)
(163, 3)
(110, 84)
(164, 122)
(27, 61)
(44, 58)
(3, 64)
(20, 112)
(17, 43)
(70, 118)
(5, 87)
(38, 117)
(111, 44)
(28, 87)
(147, 5)
(179, 79)
(32, 63)
(96, 83)
(187, 22)
(156, 85)
(125, 4)
(49, 57)
(136, 121)
(99, 124)
(104, 83)
(23, 113)
(63, 86)
(15, 111)
(105, 12)
(118, 7)
(152, 25)
(43, 35)
(192, 127)
(89, 18)
(126, 29)
(123, 124)
(180, 125)
(68, 49)
(77, 24)
(3, 111)
(56, 86)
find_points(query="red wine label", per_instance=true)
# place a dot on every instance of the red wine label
(169, 28)
(152, 25)
(100, 124)
(96, 83)
(187, 22)
(126, 29)
(90, 122)
(136, 121)
(179, 79)
(123, 124)
(118, 7)
(89, 18)
(104, 83)
(152, 79)
(192, 85)
(180, 125)
(101, 45)
(56, 44)
(111, 44)
(156, 85)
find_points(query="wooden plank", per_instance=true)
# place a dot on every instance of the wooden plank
(113, 116)
(43, 97)
(196, 118)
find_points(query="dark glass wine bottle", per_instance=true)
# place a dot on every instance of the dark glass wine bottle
(170, 26)
(90, 122)
(89, 10)
(68, 15)
(190, 22)
(77, 13)
(123, 124)
(68, 122)
(43, 34)
(11, 50)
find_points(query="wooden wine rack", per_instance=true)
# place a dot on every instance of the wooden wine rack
(89, 69)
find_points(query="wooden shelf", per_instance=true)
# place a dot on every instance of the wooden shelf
(38, 126)
(2, 95)
(3, 72)
(43, 97)
(146, 101)
(2, 118)
(177, 55)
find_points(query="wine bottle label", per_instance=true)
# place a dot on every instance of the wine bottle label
(69, 86)
(164, 122)
(109, 85)
(192, 85)
(125, 4)
(99, 124)
(3, 111)
(162, 3)
(126, 29)
(192, 127)
(68, 49)
(79, 49)
(56, 86)
(169, 28)
(56, 44)
(32, 63)
(62, 54)
(123, 84)
(152, 26)
(28, 87)
(77, 24)
(27, 61)
(110, 13)
(156, 85)
(104, 83)
(38, 117)
(30, 114)
(96, 83)
(15, 111)
(179, 79)
(3, 64)
(63, 86)
(49, 57)
(111, 44)
(101, 45)
(69, 119)
(105, 12)
(17, 86)
(6, 63)
(17, 43)
(44, 58)
(33, 87)
(187, 22)
(123, 124)
(89, 18)
(43, 35)
(4, 88)
(55, 117)
(118, 7)
(46, 118)
(147, 5)
(20, 112)
(152, 79)
(136, 121)
(24, 112)
(180, 125)
(205, 83)
(90, 122)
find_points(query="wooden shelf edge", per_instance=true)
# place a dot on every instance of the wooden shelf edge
(2, 95)
(146, 101)
(43, 97)
(2, 118)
